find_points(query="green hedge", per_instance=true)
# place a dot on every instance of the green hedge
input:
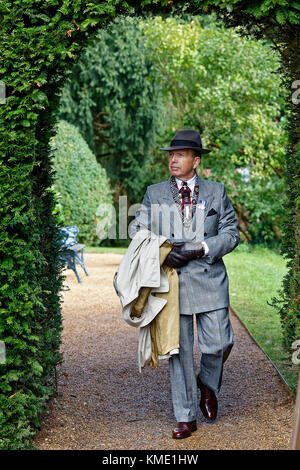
(40, 42)
(80, 182)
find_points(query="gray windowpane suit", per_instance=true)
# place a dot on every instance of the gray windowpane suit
(203, 284)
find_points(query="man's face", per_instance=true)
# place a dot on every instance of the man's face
(183, 164)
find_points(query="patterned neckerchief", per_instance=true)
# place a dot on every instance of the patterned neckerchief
(178, 200)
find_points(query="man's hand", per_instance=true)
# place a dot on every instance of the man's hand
(179, 257)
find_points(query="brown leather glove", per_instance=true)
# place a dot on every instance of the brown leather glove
(196, 251)
(179, 257)
(175, 259)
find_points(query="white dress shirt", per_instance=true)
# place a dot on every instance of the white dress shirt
(191, 184)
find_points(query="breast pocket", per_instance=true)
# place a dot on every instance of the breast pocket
(211, 225)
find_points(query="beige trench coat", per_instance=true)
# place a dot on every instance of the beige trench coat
(149, 296)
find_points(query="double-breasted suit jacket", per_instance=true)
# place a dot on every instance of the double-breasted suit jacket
(203, 283)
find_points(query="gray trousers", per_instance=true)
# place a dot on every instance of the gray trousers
(215, 340)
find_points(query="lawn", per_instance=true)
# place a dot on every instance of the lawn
(104, 249)
(255, 275)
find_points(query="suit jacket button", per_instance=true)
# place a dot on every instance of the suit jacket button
(205, 234)
(178, 272)
(172, 234)
(205, 270)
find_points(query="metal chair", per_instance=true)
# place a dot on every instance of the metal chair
(71, 252)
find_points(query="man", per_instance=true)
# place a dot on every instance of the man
(197, 217)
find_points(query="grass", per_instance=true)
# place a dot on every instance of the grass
(255, 275)
(105, 249)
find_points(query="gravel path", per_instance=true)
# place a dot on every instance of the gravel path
(105, 403)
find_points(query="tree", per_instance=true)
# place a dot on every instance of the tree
(114, 99)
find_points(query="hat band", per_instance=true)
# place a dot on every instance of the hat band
(180, 143)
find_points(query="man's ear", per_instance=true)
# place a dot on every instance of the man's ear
(197, 162)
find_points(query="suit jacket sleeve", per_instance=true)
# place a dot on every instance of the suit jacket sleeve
(228, 236)
(142, 217)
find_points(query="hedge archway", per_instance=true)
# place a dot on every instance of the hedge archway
(40, 42)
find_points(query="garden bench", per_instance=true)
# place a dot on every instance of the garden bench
(71, 252)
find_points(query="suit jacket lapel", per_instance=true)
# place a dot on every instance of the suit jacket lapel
(175, 216)
(204, 196)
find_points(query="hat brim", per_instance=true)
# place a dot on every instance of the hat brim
(199, 149)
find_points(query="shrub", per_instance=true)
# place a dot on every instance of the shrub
(80, 182)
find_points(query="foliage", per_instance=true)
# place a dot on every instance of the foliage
(113, 97)
(224, 86)
(80, 181)
(278, 12)
(258, 202)
(287, 302)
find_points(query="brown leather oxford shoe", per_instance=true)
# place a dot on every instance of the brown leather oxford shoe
(208, 402)
(184, 429)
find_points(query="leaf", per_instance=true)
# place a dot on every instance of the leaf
(280, 17)
(25, 123)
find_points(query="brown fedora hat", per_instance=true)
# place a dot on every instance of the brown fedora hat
(187, 139)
